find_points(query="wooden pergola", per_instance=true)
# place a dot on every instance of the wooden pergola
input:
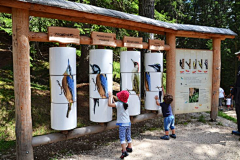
(77, 12)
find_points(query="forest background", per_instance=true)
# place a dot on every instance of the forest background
(214, 13)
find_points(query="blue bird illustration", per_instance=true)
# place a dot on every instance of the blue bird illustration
(67, 87)
(95, 68)
(147, 81)
(156, 67)
(101, 81)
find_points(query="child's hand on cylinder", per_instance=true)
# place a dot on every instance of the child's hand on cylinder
(156, 97)
(110, 94)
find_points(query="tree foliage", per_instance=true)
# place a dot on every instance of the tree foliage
(215, 13)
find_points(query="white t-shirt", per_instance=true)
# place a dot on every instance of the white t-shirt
(228, 101)
(122, 114)
(221, 91)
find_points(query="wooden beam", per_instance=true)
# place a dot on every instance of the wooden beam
(43, 37)
(66, 14)
(216, 71)
(5, 9)
(171, 67)
(127, 25)
(78, 132)
(192, 34)
(22, 87)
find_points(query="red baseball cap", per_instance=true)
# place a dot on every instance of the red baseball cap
(123, 96)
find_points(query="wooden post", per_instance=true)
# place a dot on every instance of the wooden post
(22, 88)
(216, 77)
(171, 67)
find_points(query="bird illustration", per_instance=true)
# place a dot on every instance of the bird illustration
(159, 93)
(206, 63)
(96, 69)
(96, 101)
(189, 63)
(200, 64)
(135, 78)
(195, 64)
(67, 87)
(181, 63)
(147, 81)
(101, 81)
(156, 67)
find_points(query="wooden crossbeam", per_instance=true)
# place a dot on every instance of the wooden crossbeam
(43, 37)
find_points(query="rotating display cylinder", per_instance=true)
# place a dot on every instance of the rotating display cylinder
(100, 80)
(131, 79)
(153, 79)
(63, 88)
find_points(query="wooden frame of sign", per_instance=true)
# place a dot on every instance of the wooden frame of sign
(105, 39)
(64, 35)
(132, 42)
(155, 44)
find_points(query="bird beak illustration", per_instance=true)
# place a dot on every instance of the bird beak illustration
(132, 61)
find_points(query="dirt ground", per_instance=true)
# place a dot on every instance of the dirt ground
(197, 139)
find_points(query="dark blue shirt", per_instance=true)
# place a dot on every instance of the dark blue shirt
(166, 109)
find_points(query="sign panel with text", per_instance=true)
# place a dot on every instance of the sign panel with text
(193, 90)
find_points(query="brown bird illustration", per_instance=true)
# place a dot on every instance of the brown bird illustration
(67, 87)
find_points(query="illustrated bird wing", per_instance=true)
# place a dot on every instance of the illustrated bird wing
(66, 90)
(147, 81)
(99, 81)
(135, 83)
(70, 82)
(104, 84)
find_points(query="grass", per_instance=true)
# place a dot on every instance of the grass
(202, 119)
(5, 145)
(224, 115)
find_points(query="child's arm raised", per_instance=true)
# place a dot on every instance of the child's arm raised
(110, 96)
(156, 98)
(163, 91)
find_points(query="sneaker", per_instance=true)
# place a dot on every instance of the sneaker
(173, 136)
(124, 154)
(129, 150)
(165, 137)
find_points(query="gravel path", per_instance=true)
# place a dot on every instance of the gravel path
(197, 139)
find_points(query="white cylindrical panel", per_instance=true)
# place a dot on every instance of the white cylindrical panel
(130, 61)
(63, 87)
(153, 81)
(150, 102)
(59, 120)
(153, 62)
(99, 110)
(100, 61)
(134, 106)
(62, 60)
(131, 82)
(98, 83)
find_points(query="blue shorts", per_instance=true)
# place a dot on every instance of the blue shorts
(125, 133)
(169, 123)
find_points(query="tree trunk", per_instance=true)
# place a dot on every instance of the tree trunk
(146, 9)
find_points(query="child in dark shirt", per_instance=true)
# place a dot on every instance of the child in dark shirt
(167, 114)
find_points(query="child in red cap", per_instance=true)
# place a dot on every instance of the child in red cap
(123, 120)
